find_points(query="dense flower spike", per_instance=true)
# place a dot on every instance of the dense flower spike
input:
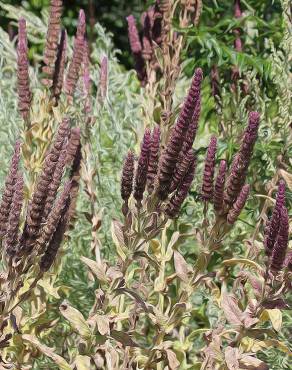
(181, 193)
(238, 205)
(73, 144)
(38, 202)
(24, 93)
(142, 167)
(279, 251)
(86, 71)
(59, 70)
(237, 14)
(219, 186)
(241, 160)
(153, 158)
(103, 79)
(78, 51)
(74, 157)
(182, 169)
(127, 176)
(53, 34)
(54, 230)
(208, 176)
(8, 192)
(136, 48)
(192, 129)
(56, 182)
(176, 140)
(272, 228)
(12, 236)
(156, 30)
(146, 40)
(134, 39)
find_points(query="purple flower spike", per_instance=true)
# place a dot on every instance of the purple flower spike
(177, 137)
(153, 159)
(207, 187)
(177, 199)
(127, 176)
(142, 168)
(240, 163)
(272, 228)
(238, 205)
(279, 251)
(24, 93)
(219, 187)
(134, 39)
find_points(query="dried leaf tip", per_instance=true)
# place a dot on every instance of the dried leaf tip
(208, 176)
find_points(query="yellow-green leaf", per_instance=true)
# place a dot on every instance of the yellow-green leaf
(274, 315)
(76, 320)
(244, 261)
(82, 362)
(47, 351)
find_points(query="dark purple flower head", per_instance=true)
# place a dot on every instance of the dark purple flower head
(142, 168)
(192, 129)
(12, 234)
(77, 58)
(272, 228)
(237, 9)
(279, 251)
(153, 159)
(219, 186)
(59, 70)
(24, 93)
(177, 199)
(238, 205)
(240, 163)
(177, 137)
(133, 34)
(103, 79)
(52, 39)
(8, 192)
(182, 168)
(127, 176)
(208, 176)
